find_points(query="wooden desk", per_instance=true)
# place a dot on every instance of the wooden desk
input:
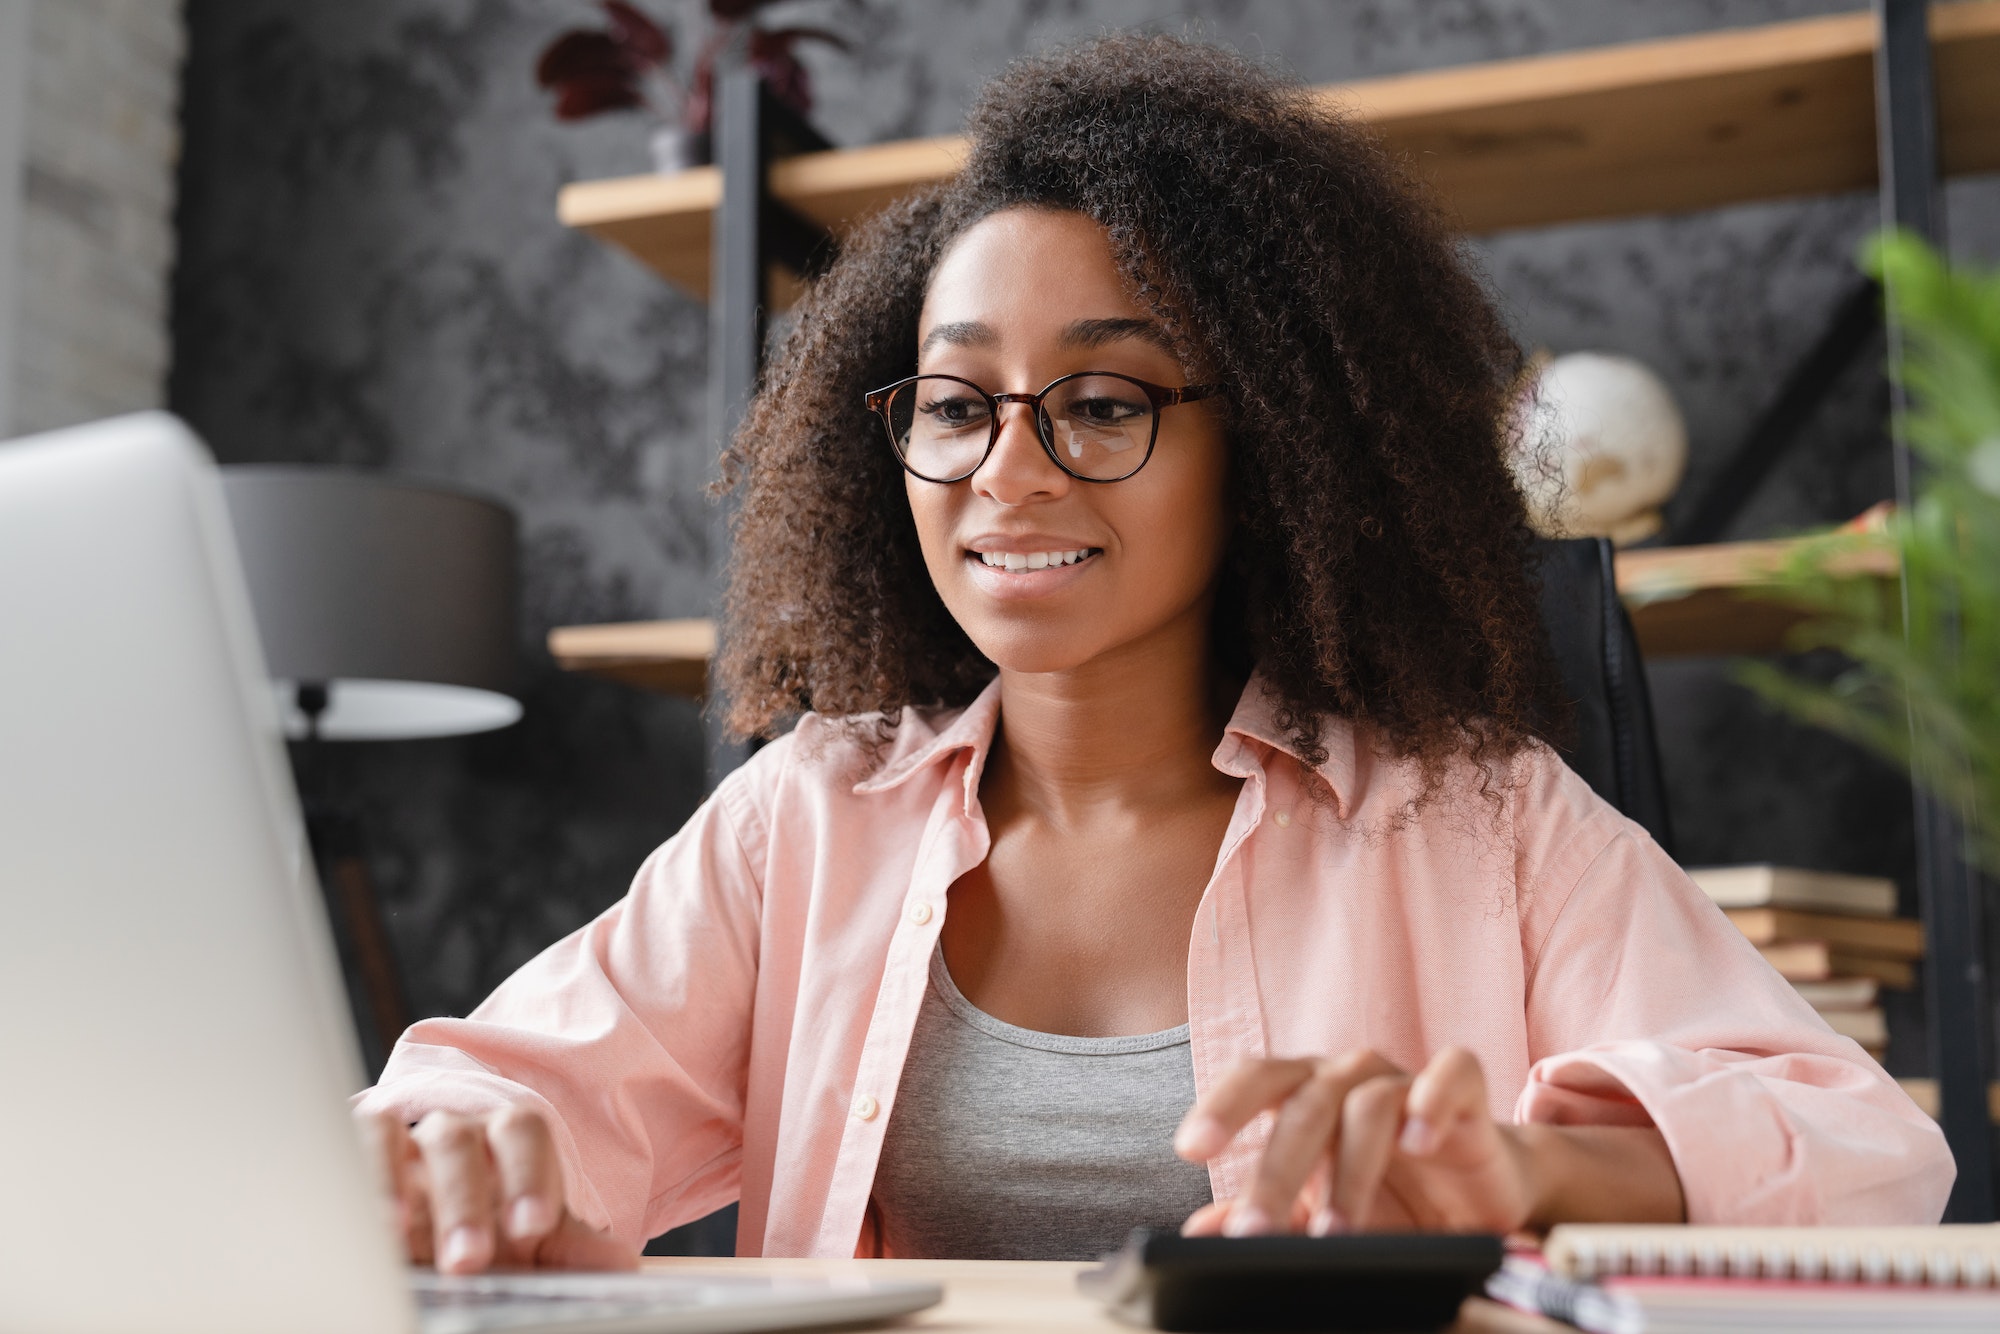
(1005, 1296)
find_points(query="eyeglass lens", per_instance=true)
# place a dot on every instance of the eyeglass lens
(1099, 426)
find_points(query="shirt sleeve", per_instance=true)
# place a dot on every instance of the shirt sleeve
(630, 1035)
(1646, 1006)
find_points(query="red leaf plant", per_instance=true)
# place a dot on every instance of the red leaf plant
(597, 70)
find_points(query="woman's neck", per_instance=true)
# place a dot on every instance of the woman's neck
(1133, 728)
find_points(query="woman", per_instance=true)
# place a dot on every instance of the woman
(1126, 525)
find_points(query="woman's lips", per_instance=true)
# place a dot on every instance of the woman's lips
(1016, 561)
(1018, 575)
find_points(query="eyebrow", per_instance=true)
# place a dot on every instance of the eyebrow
(1081, 334)
(966, 333)
(1098, 333)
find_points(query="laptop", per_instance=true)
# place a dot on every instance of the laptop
(175, 1147)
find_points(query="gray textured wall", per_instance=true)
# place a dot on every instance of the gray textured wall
(371, 273)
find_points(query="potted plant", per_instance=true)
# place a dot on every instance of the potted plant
(628, 65)
(1941, 670)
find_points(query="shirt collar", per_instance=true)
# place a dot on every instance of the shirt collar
(1253, 731)
(926, 738)
(923, 739)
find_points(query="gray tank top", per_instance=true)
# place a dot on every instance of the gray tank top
(1008, 1144)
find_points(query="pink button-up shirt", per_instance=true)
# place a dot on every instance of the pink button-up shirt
(736, 1025)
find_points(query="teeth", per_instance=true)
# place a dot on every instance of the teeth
(1031, 560)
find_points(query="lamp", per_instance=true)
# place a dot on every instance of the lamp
(393, 597)
(386, 610)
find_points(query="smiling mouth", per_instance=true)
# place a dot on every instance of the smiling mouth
(1018, 561)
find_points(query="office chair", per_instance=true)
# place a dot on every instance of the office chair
(1613, 744)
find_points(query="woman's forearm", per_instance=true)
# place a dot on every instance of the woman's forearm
(1600, 1174)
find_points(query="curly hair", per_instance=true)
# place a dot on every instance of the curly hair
(1378, 567)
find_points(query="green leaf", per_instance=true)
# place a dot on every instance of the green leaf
(1924, 688)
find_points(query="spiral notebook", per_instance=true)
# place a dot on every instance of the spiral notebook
(1660, 1305)
(1951, 1255)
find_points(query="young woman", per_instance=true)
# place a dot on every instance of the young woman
(1168, 834)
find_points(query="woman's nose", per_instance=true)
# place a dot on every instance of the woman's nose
(1019, 470)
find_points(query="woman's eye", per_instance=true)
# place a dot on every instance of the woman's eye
(1106, 411)
(954, 411)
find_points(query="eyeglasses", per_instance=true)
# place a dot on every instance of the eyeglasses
(1098, 426)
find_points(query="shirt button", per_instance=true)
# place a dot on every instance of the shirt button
(1284, 818)
(920, 913)
(865, 1107)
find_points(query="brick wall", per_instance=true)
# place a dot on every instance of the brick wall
(93, 191)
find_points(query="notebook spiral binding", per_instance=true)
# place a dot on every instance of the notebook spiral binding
(1967, 1256)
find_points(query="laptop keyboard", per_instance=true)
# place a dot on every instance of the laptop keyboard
(442, 1292)
(523, 1301)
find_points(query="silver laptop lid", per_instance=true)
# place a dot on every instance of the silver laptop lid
(175, 1152)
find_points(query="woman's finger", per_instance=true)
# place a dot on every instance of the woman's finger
(1238, 1096)
(530, 1184)
(421, 1235)
(462, 1194)
(387, 1142)
(1448, 1091)
(1206, 1221)
(1308, 1122)
(1370, 1120)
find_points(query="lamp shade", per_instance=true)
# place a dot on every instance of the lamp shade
(398, 597)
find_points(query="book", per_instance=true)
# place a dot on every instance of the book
(1952, 1253)
(1814, 961)
(1867, 1027)
(1924, 1093)
(1889, 938)
(1839, 993)
(1767, 886)
(1736, 1305)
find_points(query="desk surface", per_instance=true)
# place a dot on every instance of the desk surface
(1002, 1296)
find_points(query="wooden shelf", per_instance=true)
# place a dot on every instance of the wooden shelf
(663, 221)
(1727, 117)
(1689, 601)
(1683, 601)
(667, 656)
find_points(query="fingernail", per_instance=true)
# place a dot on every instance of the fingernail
(1326, 1220)
(1200, 1137)
(463, 1247)
(1246, 1220)
(529, 1216)
(1418, 1138)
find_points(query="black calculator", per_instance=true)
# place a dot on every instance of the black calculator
(1353, 1281)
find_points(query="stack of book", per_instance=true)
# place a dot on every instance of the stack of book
(1834, 937)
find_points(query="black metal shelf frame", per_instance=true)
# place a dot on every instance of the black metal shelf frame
(1948, 889)
(752, 231)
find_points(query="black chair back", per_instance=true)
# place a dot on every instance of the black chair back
(1613, 745)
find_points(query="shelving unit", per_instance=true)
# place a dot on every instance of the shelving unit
(1769, 112)
(1890, 99)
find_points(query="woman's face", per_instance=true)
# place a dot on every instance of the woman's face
(1020, 299)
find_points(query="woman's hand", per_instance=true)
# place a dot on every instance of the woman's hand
(473, 1192)
(1361, 1145)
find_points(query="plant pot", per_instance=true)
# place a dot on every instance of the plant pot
(677, 149)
